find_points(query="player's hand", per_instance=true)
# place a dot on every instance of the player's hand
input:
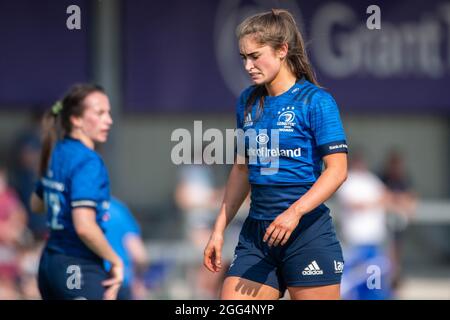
(113, 284)
(212, 257)
(280, 230)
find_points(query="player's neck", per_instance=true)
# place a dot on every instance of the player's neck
(282, 82)
(77, 134)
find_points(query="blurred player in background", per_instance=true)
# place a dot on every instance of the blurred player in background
(13, 223)
(288, 240)
(74, 192)
(197, 197)
(363, 199)
(26, 153)
(402, 206)
(124, 235)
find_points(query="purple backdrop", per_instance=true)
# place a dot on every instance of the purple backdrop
(39, 57)
(182, 56)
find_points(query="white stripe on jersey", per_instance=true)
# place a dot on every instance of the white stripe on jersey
(84, 203)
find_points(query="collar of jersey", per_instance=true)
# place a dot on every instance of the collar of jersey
(78, 141)
(67, 137)
(285, 95)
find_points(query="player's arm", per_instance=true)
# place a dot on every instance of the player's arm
(92, 236)
(136, 249)
(85, 187)
(236, 191)
(238, 186)
(330, 180)
(36, 204)
(90, 233)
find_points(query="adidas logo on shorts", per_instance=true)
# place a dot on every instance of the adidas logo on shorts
(312, 269)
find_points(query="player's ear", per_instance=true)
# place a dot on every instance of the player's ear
(76, 122)
(283, 51)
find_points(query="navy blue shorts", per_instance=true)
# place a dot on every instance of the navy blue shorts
(63, 277)
(311, 257)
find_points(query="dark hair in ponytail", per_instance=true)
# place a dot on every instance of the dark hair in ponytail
(275, 28)
(56, 122)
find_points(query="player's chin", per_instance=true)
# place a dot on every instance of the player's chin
(258, 81)
(102, 137)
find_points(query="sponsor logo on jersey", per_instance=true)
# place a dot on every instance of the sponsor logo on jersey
(106, 217)
(105, 205)
(51, 184)
(286, 119)
(265, 152)
(262, 138)
(275, 152)
(338, 146)
(248, 120)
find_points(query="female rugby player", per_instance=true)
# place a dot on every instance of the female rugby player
(288, 240)
(74, 193)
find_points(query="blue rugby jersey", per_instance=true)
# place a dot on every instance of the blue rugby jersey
(121, 224)
(284, 163)
(76, 177)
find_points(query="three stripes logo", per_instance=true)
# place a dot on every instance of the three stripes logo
(312, 269)
(248, 120)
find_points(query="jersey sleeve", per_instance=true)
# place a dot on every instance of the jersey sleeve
(240, 115)
(240, 109)
(87, 181)
(132, 224)
(128, 223)
(326, 125)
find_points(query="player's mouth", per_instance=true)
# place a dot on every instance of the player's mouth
(255, 75)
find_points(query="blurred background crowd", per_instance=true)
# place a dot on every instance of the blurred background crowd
(165, 65)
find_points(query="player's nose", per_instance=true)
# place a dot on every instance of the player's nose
(109, 120)
(248, 65)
